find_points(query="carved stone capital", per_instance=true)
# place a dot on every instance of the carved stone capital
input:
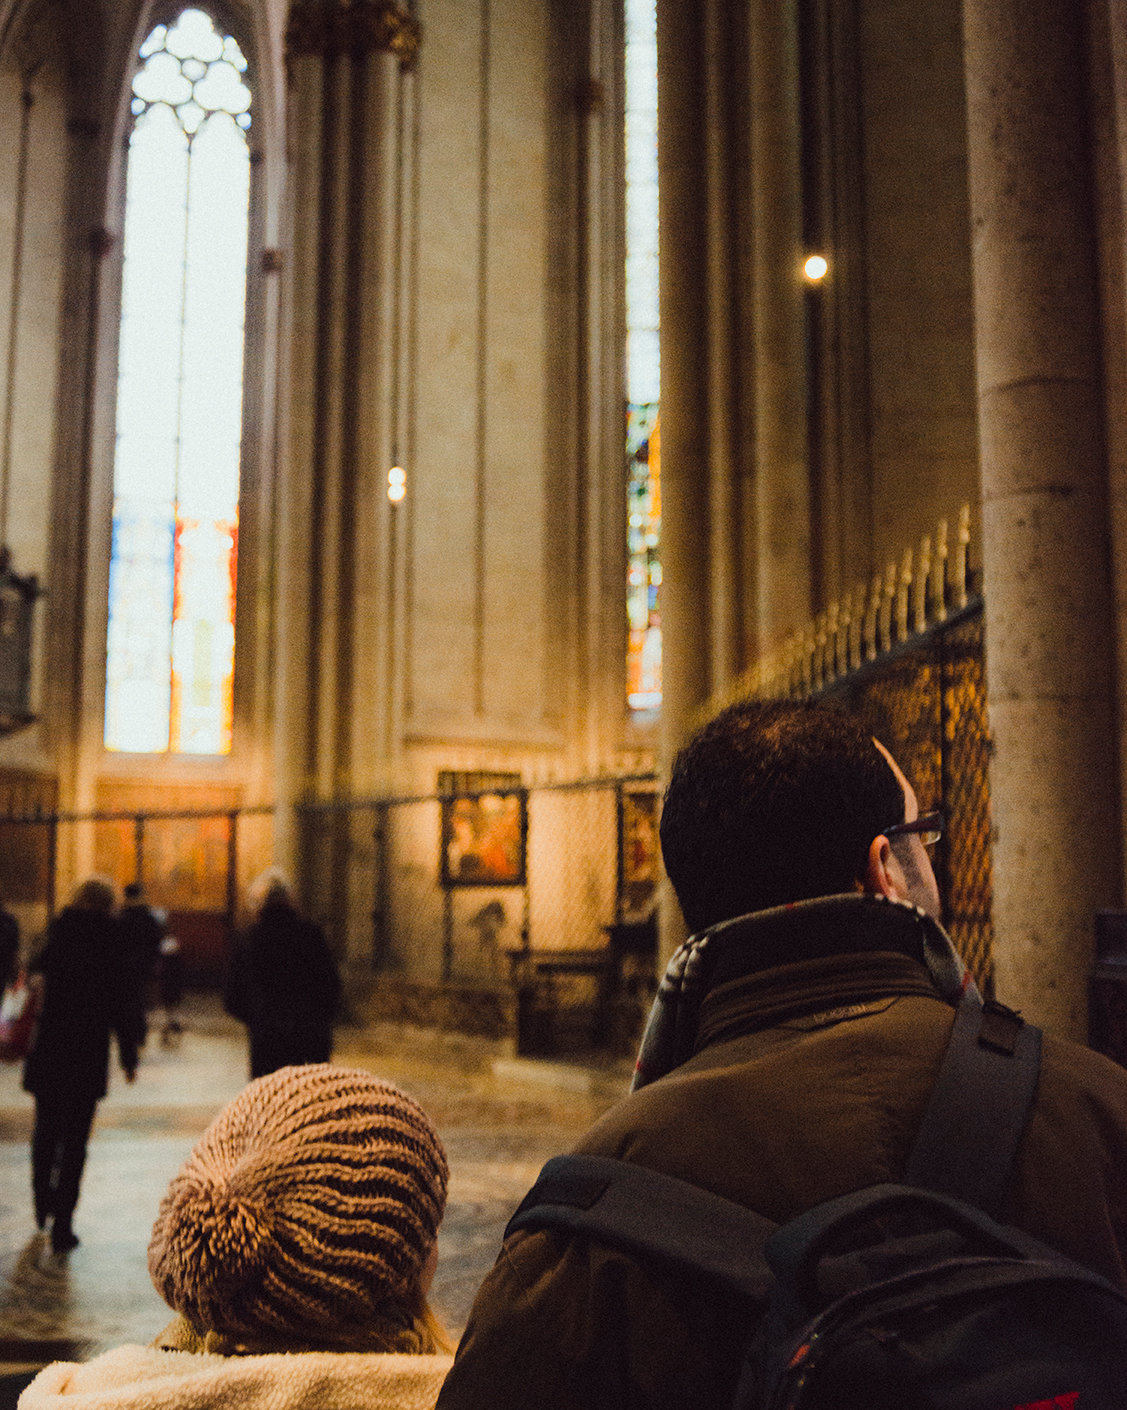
(353, 27)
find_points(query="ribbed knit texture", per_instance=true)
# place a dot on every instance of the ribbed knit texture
(307, 1209)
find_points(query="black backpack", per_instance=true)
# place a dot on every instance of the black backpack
(894, 1297)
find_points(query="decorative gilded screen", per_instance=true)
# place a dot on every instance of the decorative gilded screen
(171, 639)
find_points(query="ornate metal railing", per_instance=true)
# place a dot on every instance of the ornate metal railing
(924, 590)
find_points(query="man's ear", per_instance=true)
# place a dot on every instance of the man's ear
(883, 873)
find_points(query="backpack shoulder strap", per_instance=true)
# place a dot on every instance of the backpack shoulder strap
(965, 1148)
(642, 1211)
(979, 1106)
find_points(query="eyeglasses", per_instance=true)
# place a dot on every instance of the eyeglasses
(928, 828)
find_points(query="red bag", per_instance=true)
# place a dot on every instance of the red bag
(19, 1008)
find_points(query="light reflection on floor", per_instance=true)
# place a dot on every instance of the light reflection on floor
(500, 1120)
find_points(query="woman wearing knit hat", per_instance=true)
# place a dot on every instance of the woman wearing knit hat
(305, 1221)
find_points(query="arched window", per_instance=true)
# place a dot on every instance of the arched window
(643, 369)
(171, 637)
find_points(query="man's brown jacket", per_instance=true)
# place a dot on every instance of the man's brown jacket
(810, 1080)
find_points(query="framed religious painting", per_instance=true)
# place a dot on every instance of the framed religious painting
(484, 838)
(638, 851)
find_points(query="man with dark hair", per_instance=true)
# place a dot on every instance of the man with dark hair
(773, 802)
(788, 1059)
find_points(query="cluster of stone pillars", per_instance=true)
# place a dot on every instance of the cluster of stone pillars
(351, 93)
(340, 539)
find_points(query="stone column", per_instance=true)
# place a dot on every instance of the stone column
(595, 697)
(1109, 42)
(724, 83)
(683, 255)
(343, 61)
(1045, 539)
(782, 493)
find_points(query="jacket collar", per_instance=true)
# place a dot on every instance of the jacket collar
(805, 931)
(817, 929)
(829, 987)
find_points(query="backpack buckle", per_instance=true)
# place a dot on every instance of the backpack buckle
(999, 1027)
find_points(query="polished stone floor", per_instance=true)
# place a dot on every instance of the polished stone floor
(500, 1119)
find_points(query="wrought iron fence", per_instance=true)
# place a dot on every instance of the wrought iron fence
(193, 863)
(459, 887)
(467, 887)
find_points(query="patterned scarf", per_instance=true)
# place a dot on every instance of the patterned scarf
(789, 934)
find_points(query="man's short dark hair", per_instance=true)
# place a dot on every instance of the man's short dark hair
(773, 801)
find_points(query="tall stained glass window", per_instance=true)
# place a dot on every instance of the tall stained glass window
(171, 640)
(643, 364)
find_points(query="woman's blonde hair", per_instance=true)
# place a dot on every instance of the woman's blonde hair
(410, 1328)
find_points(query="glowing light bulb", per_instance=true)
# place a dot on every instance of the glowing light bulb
(396, 483)
(816, 268)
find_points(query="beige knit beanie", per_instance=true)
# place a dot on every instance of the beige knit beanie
(308, 1207)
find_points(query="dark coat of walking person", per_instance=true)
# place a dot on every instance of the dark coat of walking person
(283, 982)
(85, 999)
(9, 947)
(141, 934)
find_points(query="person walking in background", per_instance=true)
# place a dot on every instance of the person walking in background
(297, 1246)
(141, 935)
(9, 947)
(282, 981)
(86, 997)
(170, 988)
